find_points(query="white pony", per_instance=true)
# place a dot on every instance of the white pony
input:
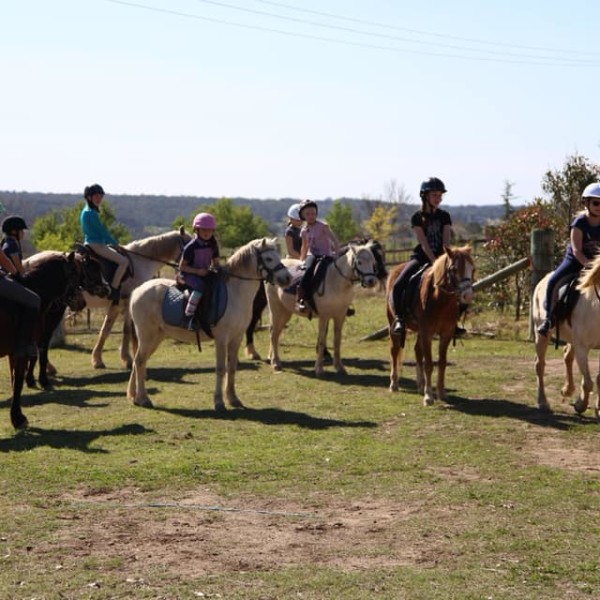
(256, 261)
(581, 331)
(332, 301)
(147, 256)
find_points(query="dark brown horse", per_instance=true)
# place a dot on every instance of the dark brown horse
(435, 309)
(59, 280)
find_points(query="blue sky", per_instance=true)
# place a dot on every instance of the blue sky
(303, 99)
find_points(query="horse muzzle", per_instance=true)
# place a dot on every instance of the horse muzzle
(465, 292)
(283, 278)
(369, 281)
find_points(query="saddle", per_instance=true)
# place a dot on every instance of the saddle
(311, 280)
(411, 292)
(212, 305)
(107, 267)
(566, 299)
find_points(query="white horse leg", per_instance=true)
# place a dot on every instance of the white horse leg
(126, 359)
(233, 348)
(277, 324)
(442, 362)
(220, 370)
(541, 346)
(338, 324)
(569, 386)
(109, 320)
(597, 406)
(136, 389)
(321, 343)
(581, 356)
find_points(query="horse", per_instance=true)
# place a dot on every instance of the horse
(58, 279)
(580, 329)
(260, 300)
(444, 285)
(244, 271)
(332, 300)
(147, 256)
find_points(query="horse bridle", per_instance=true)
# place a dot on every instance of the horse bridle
(457, 287)
(262, 267)
(361, 274)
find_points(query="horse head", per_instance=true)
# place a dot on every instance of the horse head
(458, 273)
(86, 273)
(363, 264)
(269, 264)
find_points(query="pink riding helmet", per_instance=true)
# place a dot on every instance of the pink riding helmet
(204, 221)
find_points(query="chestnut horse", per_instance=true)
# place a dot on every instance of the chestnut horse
(443, 286)
(58, 279)
(244, 272)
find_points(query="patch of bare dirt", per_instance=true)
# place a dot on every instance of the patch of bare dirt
(202, 533)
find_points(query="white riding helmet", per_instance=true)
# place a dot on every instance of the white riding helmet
(592, 190)
(294, 212)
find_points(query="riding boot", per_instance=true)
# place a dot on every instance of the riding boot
(115, 295)
(545, 327)
(398, 327)
(300, 303)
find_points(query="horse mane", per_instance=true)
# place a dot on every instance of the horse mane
(440, 265)
(590, 276)
(243, 257)
(149, 243)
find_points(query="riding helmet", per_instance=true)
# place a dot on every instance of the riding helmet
(13, 223)
(433, 184)
(294, 212)
(204, 221)
(90, 190)
(305, 204)
(592, 190)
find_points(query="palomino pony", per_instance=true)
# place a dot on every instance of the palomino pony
(147, 256)
(581, 331)
(244, 271)
(58, 279)
(332, 301)
(443, 286)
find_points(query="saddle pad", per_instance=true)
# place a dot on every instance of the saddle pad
(174, 302)
(296, 273)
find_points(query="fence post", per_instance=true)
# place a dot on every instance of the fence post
(542, 262)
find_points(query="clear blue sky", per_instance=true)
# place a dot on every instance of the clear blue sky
(302, 99)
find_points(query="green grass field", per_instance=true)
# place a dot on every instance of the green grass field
(321, 488)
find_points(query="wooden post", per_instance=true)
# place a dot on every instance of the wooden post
(542, 262)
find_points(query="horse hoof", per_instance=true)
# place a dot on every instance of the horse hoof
(99, 365)
(236, 403)
(220, 409)
(427, 401)
(21, 423)
(144, 403)
(394, 387)
(545, 409)
(578, 407)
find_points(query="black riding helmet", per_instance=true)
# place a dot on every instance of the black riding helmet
(90, 190)
(305, 204)
(433, 184)
(13, 223)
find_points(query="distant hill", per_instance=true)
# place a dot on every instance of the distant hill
(146, 215)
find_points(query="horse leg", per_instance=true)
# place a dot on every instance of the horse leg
(220, 369)
(395, 362)
(17, 372)
(597, 406)
(569, 386)
(442, 363)
(258, 306)
(581, 356)
(232, 362)
(541, 346)
(277, 324)
(338, 324)
(321, 343)
(109, 321)
(30, 371)
(420, 378)
(126, 359)
(136, 388)
(425, 343)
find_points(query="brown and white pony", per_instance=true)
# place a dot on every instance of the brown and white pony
(443, 286)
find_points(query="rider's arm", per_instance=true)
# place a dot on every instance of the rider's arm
(7, 264)
(447, 235)
(334, 241)
(577, 245)
(304, 249)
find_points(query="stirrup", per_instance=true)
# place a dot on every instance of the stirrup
(398, 328)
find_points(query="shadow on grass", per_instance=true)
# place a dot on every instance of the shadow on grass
(490, 407)
(60, 439)
(268, 416)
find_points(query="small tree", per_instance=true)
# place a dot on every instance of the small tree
(380, 225)
(341, 221)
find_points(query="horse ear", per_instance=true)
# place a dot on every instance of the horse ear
(71, 256)
(181, 230)
(448, 250)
